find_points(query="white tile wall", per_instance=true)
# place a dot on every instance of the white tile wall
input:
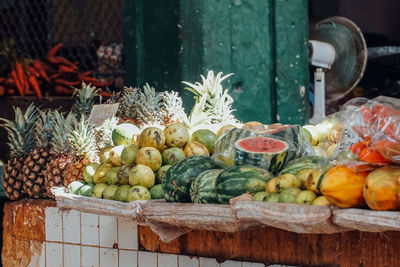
(53, 223)
(167, 260)
(108, 257)
(90, 229)
(147, 259)
(72, 226)
(108, 231)
(208, 262)
(72, 255)
(90, 257)
(129, 258)
(83, 239)
(231, 264)
(127, 234)
(187, 261)
(54, 254)
(253, 264)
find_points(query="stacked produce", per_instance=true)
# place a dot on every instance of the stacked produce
(39, 77)
(153, 150)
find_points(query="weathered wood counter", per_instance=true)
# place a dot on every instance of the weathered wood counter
(25, 230)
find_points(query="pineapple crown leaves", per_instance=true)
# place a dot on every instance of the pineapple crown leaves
(84, 99)
(127, 99)
(62, 126)
(103, 133)
(81, 138)
(173, 105)
(44, 128)
(212, 101)
(21, 131)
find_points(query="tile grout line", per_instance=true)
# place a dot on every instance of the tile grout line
(80, 237)
(98, 236)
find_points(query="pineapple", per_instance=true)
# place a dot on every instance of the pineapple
(84, 99)
(127, 103)
(82, 142)
(173, 107)
(104, 132)
(213, 103)
(60, 150)
(21, 141)
(150, 109)
(142, 107)
(36, 162)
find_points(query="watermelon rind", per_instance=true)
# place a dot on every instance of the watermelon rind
(273, 161)
(203, 188)
(224, 150)
(237, 180)
(312, 162)
(178, 178)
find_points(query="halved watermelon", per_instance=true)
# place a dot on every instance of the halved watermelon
(261, 151)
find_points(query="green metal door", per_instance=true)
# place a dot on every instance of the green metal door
(264, 42)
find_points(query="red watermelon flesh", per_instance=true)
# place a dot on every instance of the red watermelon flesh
(261, 145)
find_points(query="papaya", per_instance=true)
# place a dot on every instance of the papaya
(381, 189)
(343, 187)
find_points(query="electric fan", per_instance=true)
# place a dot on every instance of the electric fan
(339, 54)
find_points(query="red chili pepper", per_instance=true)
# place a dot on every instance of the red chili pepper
(66, 69)
(87, 73)
(66, 83)
(54, 50)
(34, 83)
(62, 61)
(2, 90)
(3, 80)
(39, 67)
(17, 82)
(33, 72)
(62, 90)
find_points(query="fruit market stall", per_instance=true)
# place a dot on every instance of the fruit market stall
(149, 177)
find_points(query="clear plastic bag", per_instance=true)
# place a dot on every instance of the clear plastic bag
(372, 130)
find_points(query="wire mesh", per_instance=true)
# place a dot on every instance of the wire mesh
(91, 31)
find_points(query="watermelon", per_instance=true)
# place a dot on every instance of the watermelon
(178, 178)
(291, 134)
(263, 152)
(203, 189)
(237, 180)
(224, 150)
(313, 162)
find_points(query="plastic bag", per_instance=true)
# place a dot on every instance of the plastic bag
(226, 152)
(372, 130)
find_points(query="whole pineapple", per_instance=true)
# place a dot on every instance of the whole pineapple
(84, 99)
(60, 151)
(82, 142)
(21, 133)
(150, 108)
(36, 162)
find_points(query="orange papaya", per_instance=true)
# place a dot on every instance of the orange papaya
(381, 188)
(343, 187)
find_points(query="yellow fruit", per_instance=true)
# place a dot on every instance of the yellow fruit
(150, 157)
(313, 180)
(195, 148)
(331, 149)
(286, 181)
(343, 187)
(254, 126)
(152, 137)
(321, 201)
(176, 134)
(381, 188)
(141, 175)
(303, 175)
(224, 129)
(271, 186)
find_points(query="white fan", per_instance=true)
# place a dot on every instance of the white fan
(339, 54)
